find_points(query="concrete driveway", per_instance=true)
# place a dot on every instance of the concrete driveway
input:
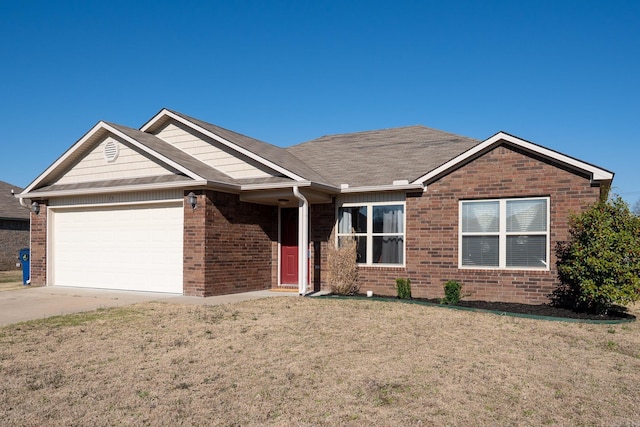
(38, 303)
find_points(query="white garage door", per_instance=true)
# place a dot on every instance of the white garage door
(133, 248)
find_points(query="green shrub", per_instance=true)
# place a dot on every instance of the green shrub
(451, 293)
(600, 264)
(403, 287)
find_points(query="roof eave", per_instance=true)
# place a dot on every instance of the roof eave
(291, 184)
(124, 189)
(383, 188)
(14, 218)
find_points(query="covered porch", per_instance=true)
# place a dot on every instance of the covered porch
(305, 218)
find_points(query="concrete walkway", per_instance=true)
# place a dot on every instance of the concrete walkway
(38, 303)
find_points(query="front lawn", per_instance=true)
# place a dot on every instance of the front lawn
(316, 361)
(10, 280)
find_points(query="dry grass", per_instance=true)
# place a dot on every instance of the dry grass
(10, 280)
(342, 271)
(311, 361)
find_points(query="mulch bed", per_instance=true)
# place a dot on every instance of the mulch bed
(619, 313)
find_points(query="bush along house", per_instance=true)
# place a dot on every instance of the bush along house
(183, 206)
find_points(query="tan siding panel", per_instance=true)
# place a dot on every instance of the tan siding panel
(128, 164)
(209, 153)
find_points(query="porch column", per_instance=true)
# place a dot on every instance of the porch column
(303, 241)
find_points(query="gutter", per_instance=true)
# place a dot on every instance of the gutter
(283, 185)
(132, 188)
(303, 241)
(372, 188)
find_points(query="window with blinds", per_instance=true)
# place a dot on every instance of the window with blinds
(505, 233)
(378, 229)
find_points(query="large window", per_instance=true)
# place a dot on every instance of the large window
(378, 229)
(506, 233)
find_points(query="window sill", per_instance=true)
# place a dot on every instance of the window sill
(540, 269)
(382, 266)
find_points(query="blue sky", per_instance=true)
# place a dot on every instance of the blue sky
(562, 74)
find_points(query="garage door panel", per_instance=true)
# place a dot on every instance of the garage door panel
(135, 248)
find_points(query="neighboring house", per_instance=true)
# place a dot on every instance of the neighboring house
(184, 206)
(14, 226)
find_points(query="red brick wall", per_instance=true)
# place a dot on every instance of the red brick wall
(321, 222)
(432, 228)
(14, 235)
(228, 245)
(39, 246)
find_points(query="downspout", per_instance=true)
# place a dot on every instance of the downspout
(21, 200)
(303, 240)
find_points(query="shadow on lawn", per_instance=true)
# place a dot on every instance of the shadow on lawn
(616, 314)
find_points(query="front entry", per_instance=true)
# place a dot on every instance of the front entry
(289, 246)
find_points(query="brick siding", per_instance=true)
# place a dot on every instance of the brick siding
(228, 245)
(14, 235)
(232, 246)
(39, 246)
(432, 228)
(321, 222)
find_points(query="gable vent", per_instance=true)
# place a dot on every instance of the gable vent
(111, 151)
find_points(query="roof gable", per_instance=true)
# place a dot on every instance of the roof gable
(270, 156)
(212, 152)
(184, 162)
(127, 162)
(596, 173)
(151, 152)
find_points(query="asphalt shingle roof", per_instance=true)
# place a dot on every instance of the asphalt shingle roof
(9, 205)
(361, 159)
(380, 157)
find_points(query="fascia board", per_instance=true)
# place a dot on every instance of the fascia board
(155, 119)
(325, 188)
(274, 185)
(597, 174)
(227, 143)
(63, 157)
(115, 189)
(130, 188)
(378, 188)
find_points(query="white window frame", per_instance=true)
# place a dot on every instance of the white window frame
(503, 234)
(370, 234)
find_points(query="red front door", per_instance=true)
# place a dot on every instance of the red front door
(289, 246)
